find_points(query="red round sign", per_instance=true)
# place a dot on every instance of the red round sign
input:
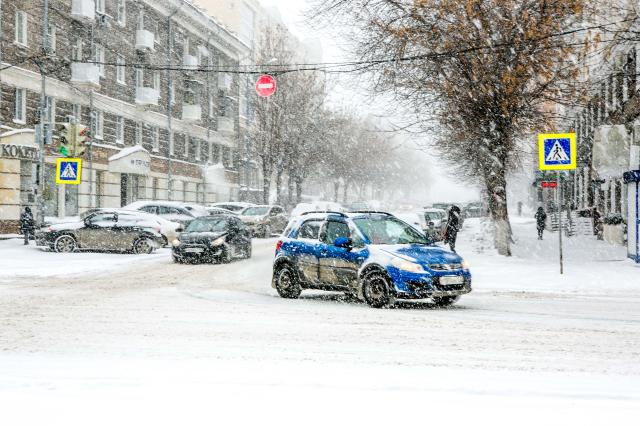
(266, 85)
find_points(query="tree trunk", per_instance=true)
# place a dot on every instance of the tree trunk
(299, 190)
(345, 189)
(496, 187)
(266, 185)
(290, 188)
(279, 186)
(336, 190)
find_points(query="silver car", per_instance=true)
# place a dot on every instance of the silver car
(264, 221)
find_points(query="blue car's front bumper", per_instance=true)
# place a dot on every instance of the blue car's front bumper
(410, 285)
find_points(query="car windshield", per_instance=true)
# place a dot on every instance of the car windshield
(207, 225)
(255, 211)
(433, 216)
(389, 230)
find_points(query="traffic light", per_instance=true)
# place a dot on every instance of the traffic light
(62, 132)
(81, 138)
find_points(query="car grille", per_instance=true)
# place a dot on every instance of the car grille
(445, 266)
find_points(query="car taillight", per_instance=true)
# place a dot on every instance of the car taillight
(278, 245)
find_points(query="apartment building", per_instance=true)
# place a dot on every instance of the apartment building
(154, 81)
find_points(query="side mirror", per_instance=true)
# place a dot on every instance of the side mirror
(179, 229)
(431, 224)
(343, 242)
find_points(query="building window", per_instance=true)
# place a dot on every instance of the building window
(156, 81)
(141, 20)
(100, 6)
(139, 78)
(170, 143)
(187, 141)
(121, 12)
(99, 58)
(172, 94)
(52, 38)
(20, 113)
(76, 50)
(50, 112)
(76, 111)
(212, 105)
(154, 186)
(155, 135)
(120, 130)
(97, 124)
(21, 28)
(120, 70)
(198, 149)
(139, 134)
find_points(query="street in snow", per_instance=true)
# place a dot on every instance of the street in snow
(162, 342)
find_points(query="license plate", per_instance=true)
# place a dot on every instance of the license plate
(452, 279)
(193, 250)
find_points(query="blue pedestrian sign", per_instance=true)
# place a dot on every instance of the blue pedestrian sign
(557, 151)
(68, 171)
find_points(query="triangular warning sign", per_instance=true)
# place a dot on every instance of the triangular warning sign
(68, 172)
(557, 153)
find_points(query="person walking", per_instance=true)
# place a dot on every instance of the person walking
(597, 223)
(541, 218)
(452, 227)
(27, 224)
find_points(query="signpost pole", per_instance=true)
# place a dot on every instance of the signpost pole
(559, 194)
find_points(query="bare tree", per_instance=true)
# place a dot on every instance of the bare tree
(481, 70)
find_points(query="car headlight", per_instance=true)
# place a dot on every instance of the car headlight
(217, 242)
(175, 242)
(465, 264)
(405, 265)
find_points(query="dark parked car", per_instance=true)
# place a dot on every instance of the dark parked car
(213, 238)
(109, 231)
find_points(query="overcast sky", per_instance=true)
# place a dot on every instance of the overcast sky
(347, 94)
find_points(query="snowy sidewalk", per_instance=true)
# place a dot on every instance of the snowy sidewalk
(590, 266)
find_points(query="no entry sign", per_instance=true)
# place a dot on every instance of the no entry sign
(265, 85)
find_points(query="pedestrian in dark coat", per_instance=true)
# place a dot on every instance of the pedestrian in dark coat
(541, 218)
(27, 224)
(452, 227)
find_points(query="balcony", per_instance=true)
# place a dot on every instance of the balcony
(83, 10)
(147, 96)
(144, 40)
(191, 112)
(225, 125)
(86, 74)
(190, 62)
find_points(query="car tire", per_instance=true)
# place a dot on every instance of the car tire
(376, 290)
(225, 257)
(177, 259)
(247, 251)
(165, 241)
(287, 284)
(267, 231)
(142, 246)
(445, 301)
(65, 244)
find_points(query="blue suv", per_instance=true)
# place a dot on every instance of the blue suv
(371, 255)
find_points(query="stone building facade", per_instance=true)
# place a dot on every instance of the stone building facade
(154, 81)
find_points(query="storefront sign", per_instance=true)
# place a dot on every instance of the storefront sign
(19, 152)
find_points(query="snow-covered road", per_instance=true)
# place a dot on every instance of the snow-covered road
(159, 343)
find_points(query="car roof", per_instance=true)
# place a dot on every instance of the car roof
(137, 204)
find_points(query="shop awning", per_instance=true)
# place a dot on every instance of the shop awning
(135, 160)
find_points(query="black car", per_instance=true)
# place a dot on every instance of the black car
(213, 238)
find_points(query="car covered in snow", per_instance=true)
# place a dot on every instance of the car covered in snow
(265, 221)
(213, 238)
(103, 231)
(436, 220)
(174, 211)
(373, 256)
(234, 206)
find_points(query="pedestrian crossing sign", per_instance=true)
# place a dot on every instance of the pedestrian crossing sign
(68, 171)
(557, 151)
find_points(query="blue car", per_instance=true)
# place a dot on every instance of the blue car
(371, 255)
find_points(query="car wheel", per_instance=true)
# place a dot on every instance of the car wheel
(142, 246)
(445, 301)
(177, 259)
(375, 289)
(267, 231)
(225, 257)
(165, 241)
(65, 244)
(247, 251)
(287, 284)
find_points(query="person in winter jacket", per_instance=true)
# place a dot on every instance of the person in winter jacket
(452, 227)
(27, 224)
(541, 218)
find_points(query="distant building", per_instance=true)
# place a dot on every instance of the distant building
(110, 65)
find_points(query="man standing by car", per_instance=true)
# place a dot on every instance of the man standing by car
(541, 218)
(452, 227)
(27, 224)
